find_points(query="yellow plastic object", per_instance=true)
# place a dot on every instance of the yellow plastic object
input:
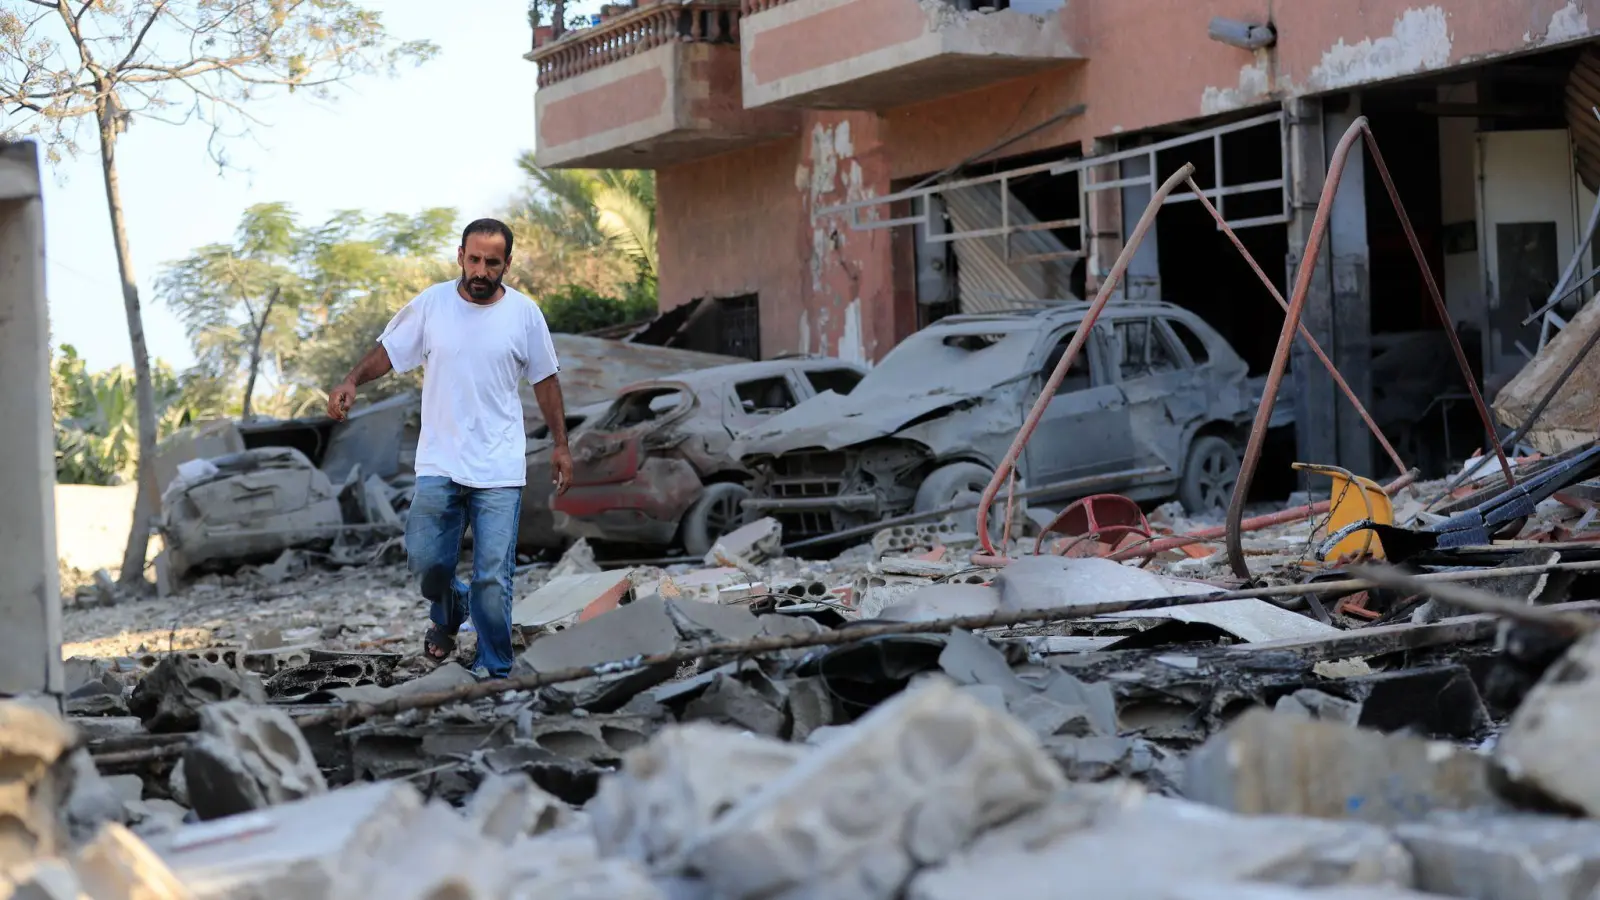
(1354, 498)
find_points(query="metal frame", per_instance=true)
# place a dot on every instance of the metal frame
(1218, 192)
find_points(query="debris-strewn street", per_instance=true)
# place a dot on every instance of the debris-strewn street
(759, 725)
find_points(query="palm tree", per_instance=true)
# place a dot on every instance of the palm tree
(593, 209)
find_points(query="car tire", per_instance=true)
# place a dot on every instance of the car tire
(946, 483)
(1209, 473)
(716, 513)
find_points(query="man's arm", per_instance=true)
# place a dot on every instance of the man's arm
(548, 393)
(374, 365)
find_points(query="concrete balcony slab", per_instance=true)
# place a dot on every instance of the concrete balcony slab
(656, 87)
(877, 54)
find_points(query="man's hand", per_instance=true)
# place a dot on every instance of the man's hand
(340, 400)
(561, 468)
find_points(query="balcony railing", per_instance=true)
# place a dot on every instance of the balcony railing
(636, 31)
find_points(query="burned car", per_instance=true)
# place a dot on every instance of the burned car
(654, 468)
(1154, 406)
(536, 529)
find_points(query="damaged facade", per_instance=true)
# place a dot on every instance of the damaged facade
(854, 169)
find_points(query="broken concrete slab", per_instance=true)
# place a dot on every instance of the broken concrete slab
(35, 780)
(1249, 620)
(507, 807)
(910, 537)
(938, 601)
(439, 855)
(1269, 764)
(1535, 753)
(117, 865)
(755, 542)
(643, 628)
(731, 702)
(94, 799)
(671, 791)
(1046, 582)
(914, 781)
(1489, 857)
(41, 879)
(247, 758)
(562, 600)
(1099, 838)
(294, 850)
(578, 560)
(920, 568)
(170, 698)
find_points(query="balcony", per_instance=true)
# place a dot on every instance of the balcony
(646, 87)
(876, 54)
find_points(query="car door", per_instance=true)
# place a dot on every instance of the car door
(1084, 430)
(1159, 387)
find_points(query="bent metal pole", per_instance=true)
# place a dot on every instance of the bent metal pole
(1008, 464)
(1305, 334)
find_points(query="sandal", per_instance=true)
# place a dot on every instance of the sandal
(436, 645)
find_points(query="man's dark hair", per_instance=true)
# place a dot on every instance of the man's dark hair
(488, 226)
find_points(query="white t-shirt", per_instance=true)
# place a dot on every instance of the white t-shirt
(472, 427)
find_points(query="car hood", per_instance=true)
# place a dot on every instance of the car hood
(831, 421)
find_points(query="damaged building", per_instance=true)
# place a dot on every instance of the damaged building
(836, 174)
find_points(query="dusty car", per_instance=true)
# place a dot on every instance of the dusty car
(654, 468)
(1153, 407)
(536, 530)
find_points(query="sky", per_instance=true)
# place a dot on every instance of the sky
(445, 134)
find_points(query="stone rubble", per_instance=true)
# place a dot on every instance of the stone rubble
(1192, 753)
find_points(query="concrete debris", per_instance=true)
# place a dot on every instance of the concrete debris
(172, 695)
(578, 560)
(754, 543)
(35, 780)
(671, 791)
(1267, 764)
(914, 781)
(117, 865)
(246, 758)
(1536, 752)
(567, 599)
(508, 807)
(1338, 745)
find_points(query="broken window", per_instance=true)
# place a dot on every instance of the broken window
(1143, 351)
(1191, 342)
(767, 395)
(840, 381)
(542, 432)
(740, 326)
(644, 406)
(972, 343)
(1077, 378)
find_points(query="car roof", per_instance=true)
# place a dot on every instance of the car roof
(700, 379)
(1065, 311)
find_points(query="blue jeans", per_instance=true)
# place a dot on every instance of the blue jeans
(441, 511)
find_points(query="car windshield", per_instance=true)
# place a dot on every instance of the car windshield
(966, 358)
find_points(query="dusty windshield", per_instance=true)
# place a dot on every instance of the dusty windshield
(964, 359)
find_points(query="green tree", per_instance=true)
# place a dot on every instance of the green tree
(109, 61)
(574, 309)
(238, 302)
(596, 209)
(96, 417)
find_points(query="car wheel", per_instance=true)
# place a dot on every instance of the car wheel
(1209, 475)
(948, 484)
(719, 510)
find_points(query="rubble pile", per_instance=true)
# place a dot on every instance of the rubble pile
(900, 721)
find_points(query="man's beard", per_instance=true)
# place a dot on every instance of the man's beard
(480, 288)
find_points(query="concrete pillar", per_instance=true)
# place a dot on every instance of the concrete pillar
(30, 600)
(1352, 294)
(1337, 307)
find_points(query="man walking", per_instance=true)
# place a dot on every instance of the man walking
(477, 339)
